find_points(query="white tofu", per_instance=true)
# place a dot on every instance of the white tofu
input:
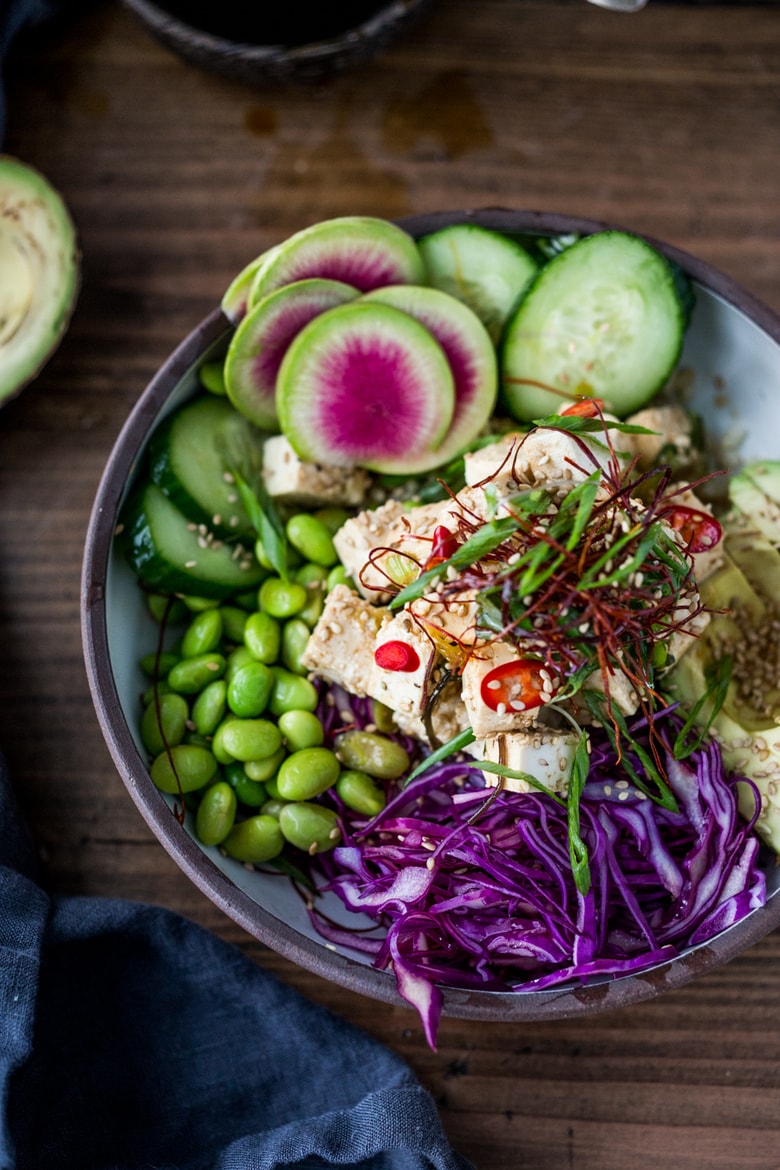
(452, 620)
(544, 753)
(401, 690)
(621, 692)
(494, 463)
(482, 719)
(672, 427)
(341, 646)
(290, 480)
(448, 717)
(392, 526)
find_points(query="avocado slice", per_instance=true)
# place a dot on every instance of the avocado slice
(755, 494)
(749, 738)
(39, 273)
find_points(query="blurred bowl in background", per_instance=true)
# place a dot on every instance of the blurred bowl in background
(260, 43)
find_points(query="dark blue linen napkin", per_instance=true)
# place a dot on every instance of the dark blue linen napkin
(131, 1039)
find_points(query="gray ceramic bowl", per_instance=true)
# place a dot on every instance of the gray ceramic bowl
(257, 44)
(733, 354)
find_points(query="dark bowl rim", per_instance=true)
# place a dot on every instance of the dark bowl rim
(390, 15)
(315, 956)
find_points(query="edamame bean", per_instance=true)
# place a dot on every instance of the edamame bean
(272, 788)
(237, 658)
(209, 708)
(186, 765)
(257, 839)
(165, 608)
(382, 716)
(313, 578)
(212, 377)
(234, 621)
(301, 729)
(249, 689)
(366, 751)
(307, 773)
(192, 674)
(291, 693)
(295, 637)
(272, 808)
(281, 599)
(198, 604)
(265, 769)
(360, 792)
(339, 576)
(216, 814)
(311, 827)
(263, 637)
(203, 634)
(248, 791)
(333, 517)
(160, 687)
(164, 723)
(311, 574)
(312, 539)
(250, 739)
(223, 756)
(159, 666)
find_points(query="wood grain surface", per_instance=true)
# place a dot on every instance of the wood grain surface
(668, 122)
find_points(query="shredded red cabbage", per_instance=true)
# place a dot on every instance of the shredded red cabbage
(489, 902)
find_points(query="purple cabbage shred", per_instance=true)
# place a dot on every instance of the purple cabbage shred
(488, 901)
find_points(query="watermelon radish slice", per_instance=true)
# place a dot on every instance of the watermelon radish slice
(261, 341)
(365, 384)
(470, 353)
(359, 250)
(235, 299)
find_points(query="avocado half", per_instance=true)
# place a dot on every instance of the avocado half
(39, 273)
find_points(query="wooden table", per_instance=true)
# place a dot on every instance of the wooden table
(667, 121)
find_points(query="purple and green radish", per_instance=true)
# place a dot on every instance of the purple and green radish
(365, 384)
(359, 250)
(472, 360)
(263, 337)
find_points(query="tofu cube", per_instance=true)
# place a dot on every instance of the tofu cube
(448, 717)
(290, 480)
(482, 719)
(341, 646)
(544, 753)
(393, 527)
(402, 690)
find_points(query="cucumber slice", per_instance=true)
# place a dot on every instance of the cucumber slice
(168, 552)
(603, 318)
(365, 384)
(191, 456)
(471, 356)
(358, 250)
(263, 337)
(486, 270)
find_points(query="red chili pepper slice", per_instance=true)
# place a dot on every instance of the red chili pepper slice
(585, 408)
(397, 655)
(443, 545)
(699, 530)
(516, 686)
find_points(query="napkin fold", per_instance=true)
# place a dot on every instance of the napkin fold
(132, 1039)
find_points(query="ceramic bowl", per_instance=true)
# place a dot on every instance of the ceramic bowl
(732, 359)
(258, 44)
